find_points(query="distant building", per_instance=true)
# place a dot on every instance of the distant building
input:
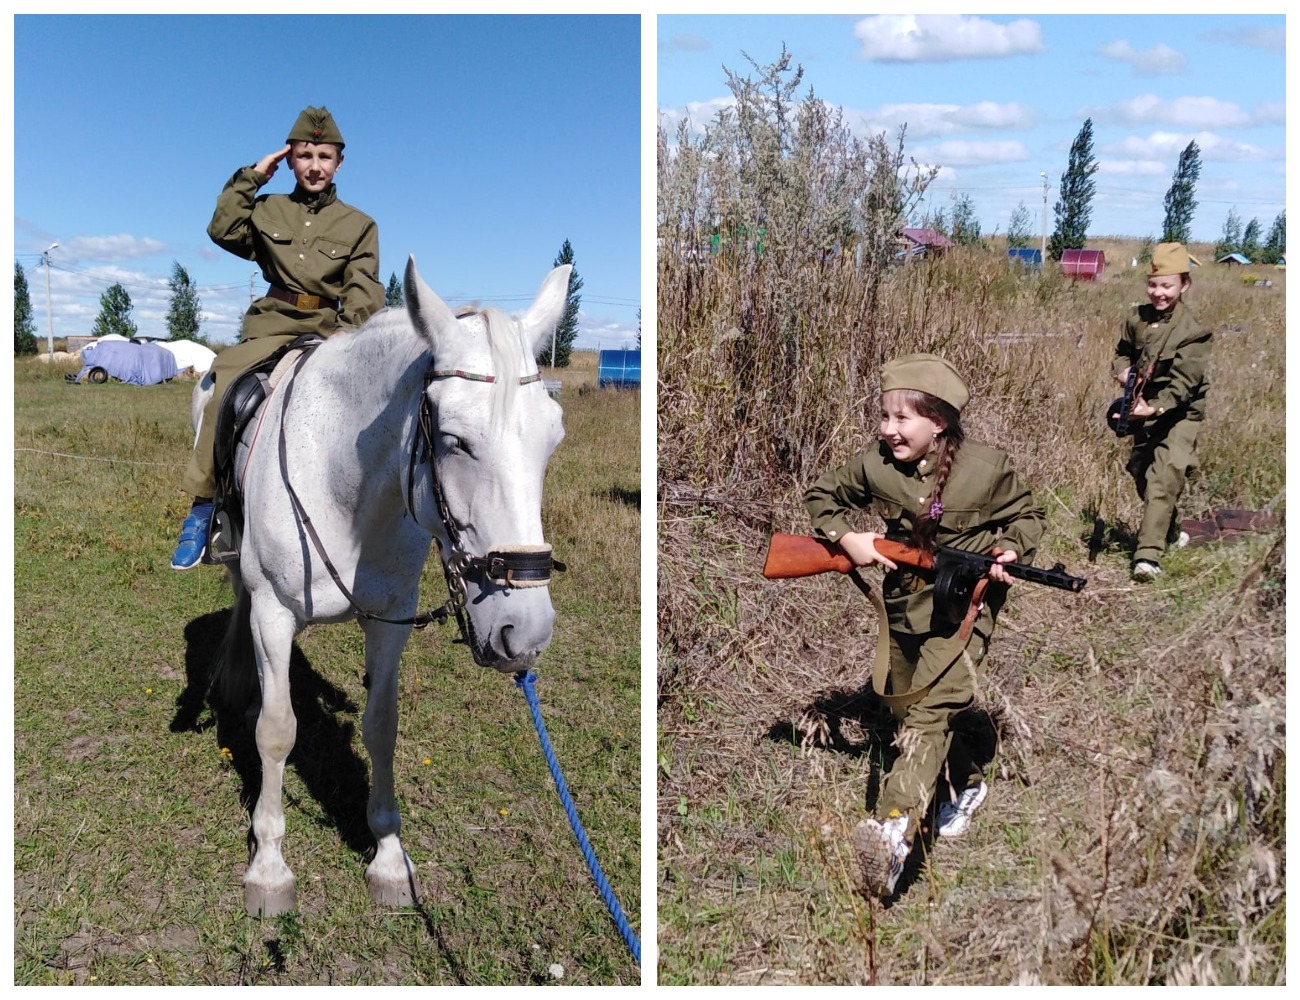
(918, 243)
(1026, 257)
(1084, 265)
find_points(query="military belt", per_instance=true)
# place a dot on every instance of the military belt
(300, 300)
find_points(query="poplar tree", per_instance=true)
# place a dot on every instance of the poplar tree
(1019, 231)
(1275, 246)
(1179, 203)
(1073, 210)
(24, 323)
(183, 314)
(1230, 238)
(556, 352)
(114, 314)
(393, 295)
(1250, 247)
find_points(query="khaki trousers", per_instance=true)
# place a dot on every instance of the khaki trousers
(1159, 466)
(926, 740)
(199, 480)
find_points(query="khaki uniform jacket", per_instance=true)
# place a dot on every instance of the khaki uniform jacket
(984, 505)
(310, 244)
(1180, 380)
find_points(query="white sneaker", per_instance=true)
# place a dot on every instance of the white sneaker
(1184, 539)
(955, 817)
(882, 852)
(1143, 570)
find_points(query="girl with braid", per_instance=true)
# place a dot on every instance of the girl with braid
(930, 486)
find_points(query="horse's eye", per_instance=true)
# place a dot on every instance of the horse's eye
(451, 443)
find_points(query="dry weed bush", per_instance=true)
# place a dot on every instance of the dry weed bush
(1136, 830)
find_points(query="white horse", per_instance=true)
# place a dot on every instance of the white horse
(419, 425)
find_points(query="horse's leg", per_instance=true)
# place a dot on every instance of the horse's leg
(390, 876)
(268, 882)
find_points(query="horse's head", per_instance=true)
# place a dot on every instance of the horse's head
(493, 428)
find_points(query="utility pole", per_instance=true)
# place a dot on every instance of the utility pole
(49, 311)
(1043, 247)
(251, 278)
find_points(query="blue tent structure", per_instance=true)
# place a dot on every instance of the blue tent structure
(1026, 257)
(619, 370)
(127, 361)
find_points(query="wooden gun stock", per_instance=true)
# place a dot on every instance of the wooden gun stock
(793, 556)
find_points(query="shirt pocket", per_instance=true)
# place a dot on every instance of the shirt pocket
(333, 250)
(959, 519)
(277, 236)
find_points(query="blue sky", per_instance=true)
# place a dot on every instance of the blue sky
(479, 144)
(996, 100)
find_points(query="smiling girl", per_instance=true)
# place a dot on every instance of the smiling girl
(930, 485)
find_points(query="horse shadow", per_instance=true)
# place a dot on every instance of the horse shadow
(323, 757)
(857, 724)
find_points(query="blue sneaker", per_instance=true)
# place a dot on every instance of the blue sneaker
(194, 536)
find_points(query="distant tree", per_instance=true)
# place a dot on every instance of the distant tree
(1073, 210)
(1019, 233)
(393, 296)
(183, 314)
(965, 226)
(114, 314)
(1275, 245)
(1250, 245)
(1146, 250)
(557, 352)
(938, 222)
(1180, 205)
(1230, 238)
(24, 323)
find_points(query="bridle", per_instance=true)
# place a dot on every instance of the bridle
(508, 566)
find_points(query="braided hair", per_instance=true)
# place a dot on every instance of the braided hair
(949, 442)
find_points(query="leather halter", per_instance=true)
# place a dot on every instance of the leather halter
(509, 566)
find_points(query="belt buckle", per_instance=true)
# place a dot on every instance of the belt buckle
(308, 301)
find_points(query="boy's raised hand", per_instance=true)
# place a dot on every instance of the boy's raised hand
(267, 164)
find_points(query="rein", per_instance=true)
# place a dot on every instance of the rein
(510, 566)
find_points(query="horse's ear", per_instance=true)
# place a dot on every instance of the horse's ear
(428, 312)
(540, 318)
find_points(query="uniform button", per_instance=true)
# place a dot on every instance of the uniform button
(301, 257)
(922, 499)
(832, 534)
(275, 236)
(307, 223)
(304, 241)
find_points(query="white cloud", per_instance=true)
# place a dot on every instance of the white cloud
(684, 43)
(974, 153)
(1169, 145)
(120, 247)
(1186, 112)
(1158, 61)
(1133, 168)
(924, 120)
(943, 38)
(697, 113)
(1270, 39)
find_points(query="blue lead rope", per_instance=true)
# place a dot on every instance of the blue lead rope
(524, 679)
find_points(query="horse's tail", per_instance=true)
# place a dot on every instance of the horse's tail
(234, 680)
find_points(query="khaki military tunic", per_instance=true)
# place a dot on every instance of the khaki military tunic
(985, 505)
(309, 244)
(1164, 445)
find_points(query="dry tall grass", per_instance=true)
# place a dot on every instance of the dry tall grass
(1135, 833)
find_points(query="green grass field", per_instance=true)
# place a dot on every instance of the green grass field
(131, 807)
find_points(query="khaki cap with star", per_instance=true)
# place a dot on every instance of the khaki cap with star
(315, 125)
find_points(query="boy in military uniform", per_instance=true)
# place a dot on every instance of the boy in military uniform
(320, 257)
(1171, 351)
(931, 485)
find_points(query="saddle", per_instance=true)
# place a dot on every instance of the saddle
(239, 406)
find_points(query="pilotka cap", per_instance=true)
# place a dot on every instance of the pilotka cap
(1169, 258)
(926, 373)
(315, 125)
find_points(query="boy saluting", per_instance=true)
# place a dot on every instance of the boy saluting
(320, 258)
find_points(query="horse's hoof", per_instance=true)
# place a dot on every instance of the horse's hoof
(264, 901)
(394, 891)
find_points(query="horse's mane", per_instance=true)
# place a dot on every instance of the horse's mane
(505, 341)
